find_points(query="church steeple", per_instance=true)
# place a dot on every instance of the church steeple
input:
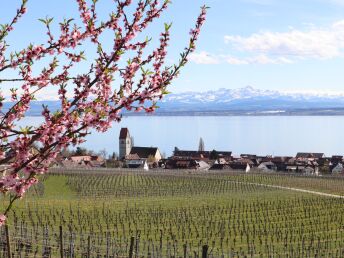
(124, 143)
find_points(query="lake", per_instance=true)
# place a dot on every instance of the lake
(263, 135)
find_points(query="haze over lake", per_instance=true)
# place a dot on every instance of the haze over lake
(263, 135)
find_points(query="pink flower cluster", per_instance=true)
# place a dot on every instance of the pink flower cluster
(98, 95)
(2, 219)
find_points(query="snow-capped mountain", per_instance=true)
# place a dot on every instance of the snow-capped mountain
(249, 98)
(242, 101)
(220, 95)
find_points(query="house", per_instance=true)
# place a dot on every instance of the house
(134, 161)
(221, 161)
(336, 158)
(80, 158)
(304, 166)
(225, 155)
(202, 165)
(97, 158)
(309, 155)
(291, 168)
(267, 166)
(264, 158)
(125, 143)
(186, 163)
(219, 166)
(248, 156)
(241, 164)
(152, 154)
(181, 163)
(81, 161)
(310, 170)
(325, 165)
(76, 165)
(324, 161)
(162, 163)
(203, 155)
(97, 161)
(281, 162)
(255, 159)
(338, 169)
(191, 154)
(292, 165)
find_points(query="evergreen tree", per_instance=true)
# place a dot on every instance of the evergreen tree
(201, 145)
(214, 155)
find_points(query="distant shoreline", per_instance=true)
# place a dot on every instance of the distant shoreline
(248, 112)
(208, 114)
(301, 112)
(205, 114)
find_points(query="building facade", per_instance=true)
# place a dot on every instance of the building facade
(125, 143)
(153, 154)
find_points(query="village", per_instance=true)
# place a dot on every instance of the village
(148, 158)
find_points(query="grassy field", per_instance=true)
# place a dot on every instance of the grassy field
(175, 214)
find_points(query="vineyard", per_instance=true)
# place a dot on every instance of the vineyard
(174, 214)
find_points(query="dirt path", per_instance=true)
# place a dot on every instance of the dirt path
(295, 189)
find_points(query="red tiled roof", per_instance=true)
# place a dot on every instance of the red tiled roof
(132, 157)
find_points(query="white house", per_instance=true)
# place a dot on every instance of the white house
(339, 169)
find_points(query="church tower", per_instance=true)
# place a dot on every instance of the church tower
(124, 143)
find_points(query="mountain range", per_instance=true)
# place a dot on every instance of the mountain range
(242, 101)
(249, 100)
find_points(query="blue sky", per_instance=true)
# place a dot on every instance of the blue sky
(293, 45)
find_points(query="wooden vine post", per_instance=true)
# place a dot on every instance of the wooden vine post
(131, 249)
(8, 243)
(61, 242)
(205, 251)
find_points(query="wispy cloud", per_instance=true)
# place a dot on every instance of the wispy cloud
(269, 47)
(316, 43)
(206, 58)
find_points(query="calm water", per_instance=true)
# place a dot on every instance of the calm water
(273, 135)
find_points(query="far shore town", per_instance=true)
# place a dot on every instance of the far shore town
(148, 158)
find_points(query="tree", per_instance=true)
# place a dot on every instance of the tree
(213, 155)
(151, 158)
(201, 145)
(325, 168)
(81, 151)
(176, 149)
(103, 153)
(91, 99)
(114, 156)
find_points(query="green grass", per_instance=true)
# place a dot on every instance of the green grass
(56, 188)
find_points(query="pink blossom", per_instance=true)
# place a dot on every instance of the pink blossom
(94, 102)
(2, 219)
